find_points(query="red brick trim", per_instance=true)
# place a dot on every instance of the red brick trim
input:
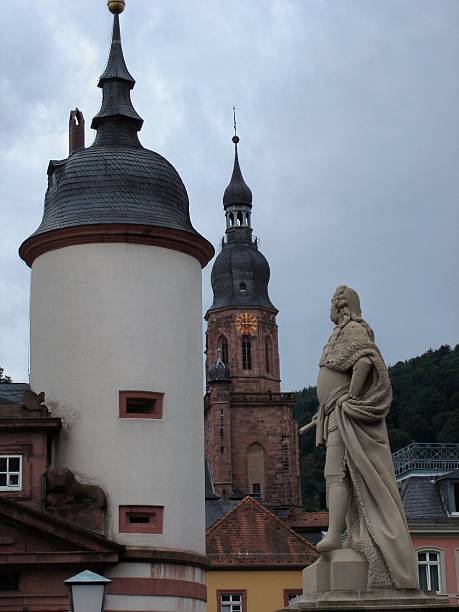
(46, 559)
(178, 240)
(41, 424)
(156, 398)
(158, 555)
(242, 592)
(290, 592)
(161, 587)
(141, 519)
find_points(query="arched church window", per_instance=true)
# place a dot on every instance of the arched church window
(231, 218)
(223, 346)
(256, 469)
(268, 354)
(246, 353)
(239, 219)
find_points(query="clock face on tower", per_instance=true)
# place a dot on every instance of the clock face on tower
(246, 324)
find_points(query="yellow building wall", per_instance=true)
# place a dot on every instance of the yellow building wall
(265, 589)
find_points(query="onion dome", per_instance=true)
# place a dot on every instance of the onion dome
(240, 274)
(116, 190)
(237, 192)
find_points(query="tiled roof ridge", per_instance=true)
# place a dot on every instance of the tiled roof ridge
(220, 520)
(282, 523)
(8, 505)
(250, 500)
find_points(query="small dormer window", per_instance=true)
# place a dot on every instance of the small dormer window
(10, 472)
(453, 497)
(52, 180)
(242, 287)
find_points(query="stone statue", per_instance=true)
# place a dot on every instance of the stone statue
(355, 394)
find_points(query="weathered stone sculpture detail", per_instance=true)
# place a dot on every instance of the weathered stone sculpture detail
(81, 503)
(355, 394)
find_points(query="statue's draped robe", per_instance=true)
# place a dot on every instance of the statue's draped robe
(376, 522)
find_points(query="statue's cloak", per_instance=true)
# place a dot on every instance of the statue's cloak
(376, 522)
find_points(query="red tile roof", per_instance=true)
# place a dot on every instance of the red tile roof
(250, 535)
(308, 520)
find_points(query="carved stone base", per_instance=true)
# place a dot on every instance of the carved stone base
(338, 581)
(377, 600)
(337, 570)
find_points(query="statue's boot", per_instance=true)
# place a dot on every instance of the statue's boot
(338, 500)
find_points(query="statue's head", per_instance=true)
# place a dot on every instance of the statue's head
(345, 304)
(345, 307)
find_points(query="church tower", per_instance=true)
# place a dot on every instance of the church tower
(115, 320)
(250, 435)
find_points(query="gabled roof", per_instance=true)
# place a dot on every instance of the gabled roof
(251, 536)
(50, 539)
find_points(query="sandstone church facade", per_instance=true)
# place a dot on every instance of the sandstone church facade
(251, 439)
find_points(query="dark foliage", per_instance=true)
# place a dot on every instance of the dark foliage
(425, 408)
(4, 378)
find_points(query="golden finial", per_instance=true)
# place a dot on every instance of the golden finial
(116, 6)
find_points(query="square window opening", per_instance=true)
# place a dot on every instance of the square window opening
(141, 519)
(9, 582)
(141, 405)
(11, 473)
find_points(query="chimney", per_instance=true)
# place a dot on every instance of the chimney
(76, 131)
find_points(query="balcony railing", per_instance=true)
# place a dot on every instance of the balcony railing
(426, 457)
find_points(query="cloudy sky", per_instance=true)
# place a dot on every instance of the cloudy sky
(348, 114)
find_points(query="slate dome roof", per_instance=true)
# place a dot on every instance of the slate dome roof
(115, 190)
(116, 184)
(240, 277)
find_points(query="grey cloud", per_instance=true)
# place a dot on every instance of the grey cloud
(348, 114)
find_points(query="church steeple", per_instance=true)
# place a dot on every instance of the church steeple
(116, 83)
(240, 274)
(237, 201)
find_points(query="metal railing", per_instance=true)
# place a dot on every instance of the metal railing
(427, 457)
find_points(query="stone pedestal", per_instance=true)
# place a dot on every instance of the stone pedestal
(338, 581)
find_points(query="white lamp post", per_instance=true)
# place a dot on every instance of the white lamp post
(87, 592)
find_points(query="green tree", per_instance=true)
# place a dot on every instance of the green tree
(425, 408)
(4, 378)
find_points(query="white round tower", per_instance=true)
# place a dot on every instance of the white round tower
(116, 346)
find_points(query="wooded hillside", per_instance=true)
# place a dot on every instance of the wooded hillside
(425, 409)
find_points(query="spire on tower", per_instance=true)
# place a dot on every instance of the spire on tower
(237, 192)
(116, 81)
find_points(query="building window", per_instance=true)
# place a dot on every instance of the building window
(242, 287)
(231, 601)
(9, 582)
(141, 405)
(10, 472)
(453, 497)
(256, 469)
(268, 354)
(246, 353)
(141, 519)
(429, 570)
(290, 594)
(223, 346)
